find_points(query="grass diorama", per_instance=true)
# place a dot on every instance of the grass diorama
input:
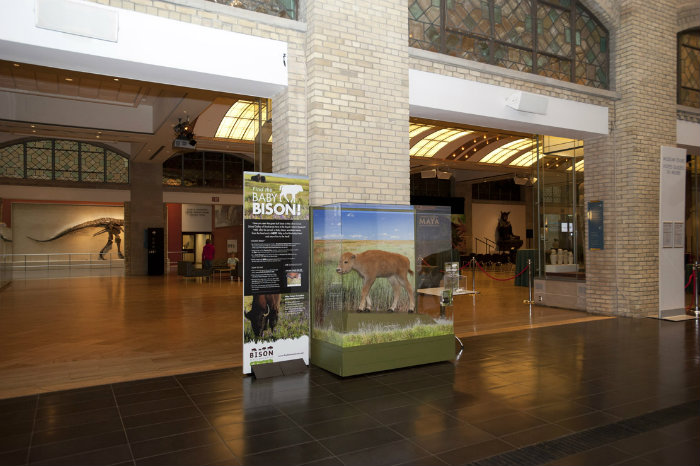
(336, 294)
(373, 334)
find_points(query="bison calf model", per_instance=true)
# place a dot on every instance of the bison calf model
(373, 264)
(264, 313)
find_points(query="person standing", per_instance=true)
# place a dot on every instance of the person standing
(207, 255)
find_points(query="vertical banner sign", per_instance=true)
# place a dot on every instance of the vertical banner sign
(275, 268)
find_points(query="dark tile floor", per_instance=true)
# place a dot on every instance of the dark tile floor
(619, 391)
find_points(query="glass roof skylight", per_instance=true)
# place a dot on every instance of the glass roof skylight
(241, 121)
(416, 128)
(525, 160)
(579, 166)
(506, 151)
(431, 144)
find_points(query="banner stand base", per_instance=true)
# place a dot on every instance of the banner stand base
(276, 369)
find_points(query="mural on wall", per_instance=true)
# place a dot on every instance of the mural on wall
(67, 228)
(228, 215)
(114, 227)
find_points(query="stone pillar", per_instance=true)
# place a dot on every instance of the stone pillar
(357, 101)
(289, 117)
(623, 169)
(145, 210)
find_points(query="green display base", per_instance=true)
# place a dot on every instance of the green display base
(381, 356)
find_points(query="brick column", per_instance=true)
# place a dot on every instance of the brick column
(623, 169)
(145, 210)
(357, 101)
(289, 117)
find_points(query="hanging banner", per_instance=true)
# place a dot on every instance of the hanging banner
(275, 268)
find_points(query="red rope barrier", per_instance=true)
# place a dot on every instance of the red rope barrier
(502, 279)
(690, 279)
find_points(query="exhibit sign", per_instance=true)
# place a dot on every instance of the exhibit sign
(196, 218)
(671, 231)
(596, 232)
(275, 268)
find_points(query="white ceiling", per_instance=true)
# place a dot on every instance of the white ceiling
(135, 117)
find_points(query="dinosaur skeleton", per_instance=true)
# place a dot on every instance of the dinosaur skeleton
(114, 227)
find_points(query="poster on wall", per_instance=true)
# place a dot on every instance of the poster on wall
(275, 268)
(227, 215)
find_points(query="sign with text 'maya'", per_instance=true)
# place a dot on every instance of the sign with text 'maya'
(275, 268)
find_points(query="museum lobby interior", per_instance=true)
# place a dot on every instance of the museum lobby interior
(108, 133)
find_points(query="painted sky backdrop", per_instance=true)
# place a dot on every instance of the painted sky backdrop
(363, 225)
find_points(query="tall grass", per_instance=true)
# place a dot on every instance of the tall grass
(373, 334)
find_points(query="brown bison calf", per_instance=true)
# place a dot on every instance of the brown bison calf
(373, 264)
(264, 313)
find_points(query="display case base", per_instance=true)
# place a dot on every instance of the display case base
(381, 356)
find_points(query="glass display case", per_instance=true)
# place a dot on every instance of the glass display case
(560, 208)
(367, 262)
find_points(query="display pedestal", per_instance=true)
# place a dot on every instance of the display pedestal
(561, 268)
(381, 356)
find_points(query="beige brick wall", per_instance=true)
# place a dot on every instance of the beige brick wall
(623, 169)
(357, 101)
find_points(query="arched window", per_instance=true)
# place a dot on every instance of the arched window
(63, 160)
(559, 38)
(689, 68)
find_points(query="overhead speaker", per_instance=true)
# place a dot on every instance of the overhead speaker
(428, 173)
(444, 175)
(527, 102)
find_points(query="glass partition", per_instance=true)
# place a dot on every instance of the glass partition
(560, 216)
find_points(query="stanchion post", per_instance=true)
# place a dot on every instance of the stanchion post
(529, 283)
(473, 261)
(695, 287)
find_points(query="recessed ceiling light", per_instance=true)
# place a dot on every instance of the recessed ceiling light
(69, 79)
(16, 65)
(116, 79)
(33, 126)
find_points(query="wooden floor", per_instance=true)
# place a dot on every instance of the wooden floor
(70, 332)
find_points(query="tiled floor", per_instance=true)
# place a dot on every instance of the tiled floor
(618, 391)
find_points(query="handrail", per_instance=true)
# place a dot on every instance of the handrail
(31, 261)
(486, 243)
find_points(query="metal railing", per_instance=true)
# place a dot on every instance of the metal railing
(63, 260)
(486, 242)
